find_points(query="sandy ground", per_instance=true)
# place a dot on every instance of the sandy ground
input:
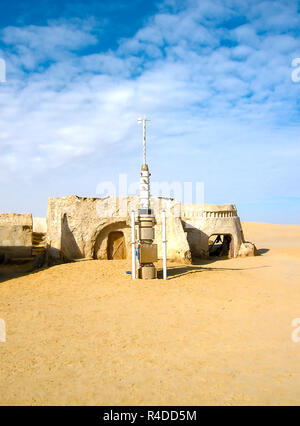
(215, 333)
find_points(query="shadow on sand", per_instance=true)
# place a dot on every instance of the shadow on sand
(262, 251)
(11, 271)
(200, 266)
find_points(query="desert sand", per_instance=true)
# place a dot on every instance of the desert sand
(218, 332)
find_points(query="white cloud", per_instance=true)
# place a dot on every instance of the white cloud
(220, 100)
(49, 40)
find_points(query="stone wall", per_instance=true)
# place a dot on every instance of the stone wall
(15, 235)
(39, 224)
(23, 219)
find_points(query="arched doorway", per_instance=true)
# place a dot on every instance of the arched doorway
(106, 241)
(220, 245)
(116, 248)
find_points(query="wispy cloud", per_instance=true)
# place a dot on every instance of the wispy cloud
(215, 76)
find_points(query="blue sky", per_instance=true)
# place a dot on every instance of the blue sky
(214, 76)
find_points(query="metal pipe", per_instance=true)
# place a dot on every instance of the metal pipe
(133, 269)
(144, 142)
(138, 248)
(143, 121)
(164, 235)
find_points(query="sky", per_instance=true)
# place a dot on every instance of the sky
(214, 77)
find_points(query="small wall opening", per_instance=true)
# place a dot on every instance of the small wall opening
(220, 245)
(116, 248)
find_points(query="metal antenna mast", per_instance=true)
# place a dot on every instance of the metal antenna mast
(145, 250)
(143, 120)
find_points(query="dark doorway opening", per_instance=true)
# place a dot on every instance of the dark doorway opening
(220, 245)
(116, 248)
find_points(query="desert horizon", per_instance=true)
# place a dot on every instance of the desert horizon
(215, 333)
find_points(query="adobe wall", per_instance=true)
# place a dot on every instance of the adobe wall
(15, 235)
(200, 221)
(15, 219)
(39, 224)
(78, 227)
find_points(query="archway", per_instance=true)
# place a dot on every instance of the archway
(220, 245)
(116, 248)
(106, 241)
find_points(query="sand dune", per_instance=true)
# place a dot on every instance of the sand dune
(214, 333)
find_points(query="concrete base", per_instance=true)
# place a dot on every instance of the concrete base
(147, 272)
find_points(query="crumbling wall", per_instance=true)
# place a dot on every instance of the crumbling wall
(200, 221)
(16, 219)
(101, 242)
(15, 235)
(177, 244)
(78, 227)
(39, 224)
(75, 224)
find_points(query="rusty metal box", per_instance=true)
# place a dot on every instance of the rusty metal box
(148, 253)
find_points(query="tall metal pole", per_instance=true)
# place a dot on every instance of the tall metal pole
(145, 174)
(164, 235)
(138, 248)
(133, 269)
(144, 120)
(144, 142)
(146, 219)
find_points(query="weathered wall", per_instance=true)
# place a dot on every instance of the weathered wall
(78, 227)
(75, 223)
(200, 221)
(100, 247)
(39, 224)
(24, 219)
(15, 235)
(177, 245)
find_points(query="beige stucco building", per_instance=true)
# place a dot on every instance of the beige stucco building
(99, 228)
(79, 227)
